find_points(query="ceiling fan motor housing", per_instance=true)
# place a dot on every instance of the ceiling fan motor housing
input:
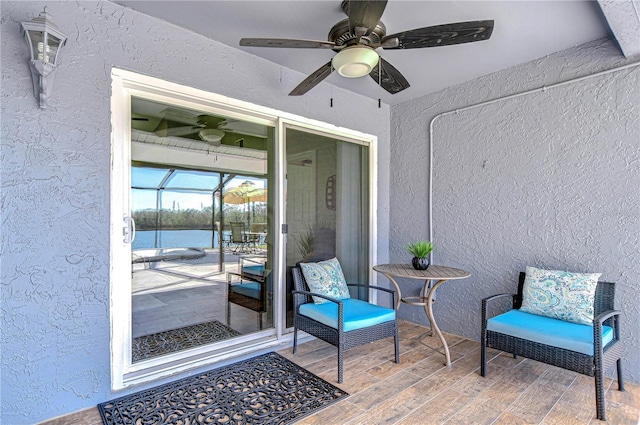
(342, 37)
(355, 57)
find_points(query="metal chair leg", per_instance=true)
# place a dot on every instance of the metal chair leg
(228, 303)
(295, 339)
(619, 370)
(397, 346)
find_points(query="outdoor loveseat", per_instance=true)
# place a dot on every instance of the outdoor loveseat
(589, 349)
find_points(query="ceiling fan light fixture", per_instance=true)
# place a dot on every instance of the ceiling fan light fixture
(356, 61)
(211, 135)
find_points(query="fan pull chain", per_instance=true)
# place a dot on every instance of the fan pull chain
(379, 80)
(331, 88)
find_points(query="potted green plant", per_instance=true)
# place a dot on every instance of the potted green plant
(306, 243)
(420, 251)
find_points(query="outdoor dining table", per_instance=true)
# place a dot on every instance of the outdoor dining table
(254, 238)
(440, 274)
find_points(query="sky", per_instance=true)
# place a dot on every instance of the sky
(152, 178)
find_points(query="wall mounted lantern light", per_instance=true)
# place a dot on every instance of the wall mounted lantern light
(44, 40)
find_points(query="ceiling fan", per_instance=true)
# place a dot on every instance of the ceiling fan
(177, 122)
(208, 128)
(356, 39)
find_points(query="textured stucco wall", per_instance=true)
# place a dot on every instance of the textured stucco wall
(55, 185)
(549, 179)
(623, 17)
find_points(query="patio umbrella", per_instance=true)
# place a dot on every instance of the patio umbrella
(246, 193)
(257, 195)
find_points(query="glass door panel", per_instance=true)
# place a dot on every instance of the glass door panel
(327, 205)
(201, 258)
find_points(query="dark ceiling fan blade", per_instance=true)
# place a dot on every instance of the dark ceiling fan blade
(287, 42)
(363, 13)
(312, 80)
(389, 77)
(183, 130)
(442, 35)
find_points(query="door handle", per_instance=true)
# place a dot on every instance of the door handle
(129, 229)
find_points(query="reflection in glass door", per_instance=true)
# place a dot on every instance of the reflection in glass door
(327, 205)
(201, 257)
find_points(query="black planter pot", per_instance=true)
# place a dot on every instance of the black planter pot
(420, 263)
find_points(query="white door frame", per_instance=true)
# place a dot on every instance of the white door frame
(126, 84)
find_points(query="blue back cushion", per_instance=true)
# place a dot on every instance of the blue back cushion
(560, 295)
(249, 289)
(325, 278)
(254, 270)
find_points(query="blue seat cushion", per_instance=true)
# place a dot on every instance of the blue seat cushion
(357, 314)
(548, 331)
(249, 289)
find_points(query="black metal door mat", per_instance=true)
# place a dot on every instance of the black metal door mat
(266, 389)
(148, 346)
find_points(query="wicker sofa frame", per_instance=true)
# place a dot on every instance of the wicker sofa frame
(594, 366)
(338, 337)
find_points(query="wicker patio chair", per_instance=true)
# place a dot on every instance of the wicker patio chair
(337, 335)
(594, 365)
(250, 290)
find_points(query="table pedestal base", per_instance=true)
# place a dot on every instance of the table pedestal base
(440, 274)
(430, 291)
(426, 301)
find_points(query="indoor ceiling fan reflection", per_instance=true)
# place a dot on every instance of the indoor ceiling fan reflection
(209, 128)
(179, 123)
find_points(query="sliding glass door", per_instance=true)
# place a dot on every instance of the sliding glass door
(213, 201)
(201, 257)
(327, 204)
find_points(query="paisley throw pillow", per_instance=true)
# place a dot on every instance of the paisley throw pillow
(560, 295)
(326, 278)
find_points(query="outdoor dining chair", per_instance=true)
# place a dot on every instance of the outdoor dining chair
(238, 237)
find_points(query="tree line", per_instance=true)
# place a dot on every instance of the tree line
(194, 219)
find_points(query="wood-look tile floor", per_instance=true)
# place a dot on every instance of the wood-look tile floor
(421, 390)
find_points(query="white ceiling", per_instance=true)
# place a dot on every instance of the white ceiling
(523, 31)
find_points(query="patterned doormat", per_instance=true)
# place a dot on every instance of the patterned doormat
(148, 346)
(266, 389)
